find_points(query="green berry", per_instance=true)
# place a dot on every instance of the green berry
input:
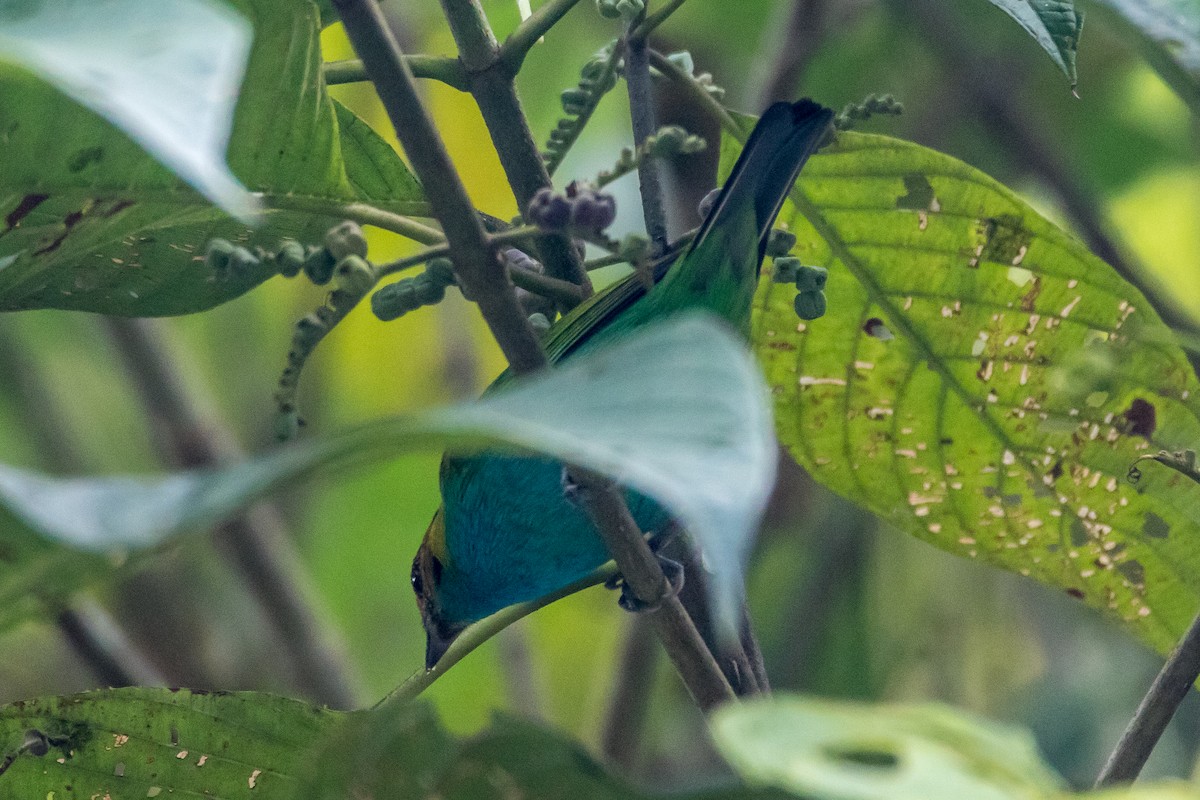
(395, 300)
(539, 322)
(287, 425)
(811, 279)
(780, 242)
(786, 269)
(319, 266)
(355, 275)
(810, 304)
(242, 262)
(440, 270)
(290, 258)
(217, 253)
(575, 101)
(346, 239)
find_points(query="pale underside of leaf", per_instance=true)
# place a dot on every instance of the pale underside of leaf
(927, 393)
(838, 749)
(166, 73)
(677, 412)
(1170, 30)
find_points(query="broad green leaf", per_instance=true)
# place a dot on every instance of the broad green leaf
(930, 392)
(858, 751)
(166, 73)
(89, 222)
(127, 744)
(144, 743)
(677, 412)
(1170, 34)
(1054, 24)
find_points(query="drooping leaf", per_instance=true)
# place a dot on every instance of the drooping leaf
(983, 382)
(88, 221)
(166, 73)
(1170, 34)
(860, 751)
(677, 413)
(1054, 24)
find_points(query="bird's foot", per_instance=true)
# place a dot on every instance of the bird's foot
(672, 570)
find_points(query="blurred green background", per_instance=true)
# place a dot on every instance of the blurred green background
(845, 606)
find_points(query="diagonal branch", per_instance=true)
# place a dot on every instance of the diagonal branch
(485, 280)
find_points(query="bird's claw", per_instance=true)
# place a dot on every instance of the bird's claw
(672, 570)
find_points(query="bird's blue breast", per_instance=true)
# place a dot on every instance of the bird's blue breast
(513, 536)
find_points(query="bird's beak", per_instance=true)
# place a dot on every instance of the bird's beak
(437, 642)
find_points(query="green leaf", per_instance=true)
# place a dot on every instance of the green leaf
(167, 74)
(146, 743)
(1054, 24)
(676, 412)
(858, 751)
(953, 388)
(1169, 31)
(89, 222)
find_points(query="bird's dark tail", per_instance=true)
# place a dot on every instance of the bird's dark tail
(785, 136)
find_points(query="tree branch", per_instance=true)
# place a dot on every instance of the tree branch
(483, 277)
(439, 68)
(795, 48)
(539, 23)
(628, 707)
(95, 636)
(494, 93)
(479, 272)
(641, 110)
(1170, 686)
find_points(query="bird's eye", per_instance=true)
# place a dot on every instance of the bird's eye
(417, 584)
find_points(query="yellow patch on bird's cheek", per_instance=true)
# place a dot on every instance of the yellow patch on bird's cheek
(435, 536)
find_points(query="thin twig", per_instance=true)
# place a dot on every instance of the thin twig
(361, 213)
(493, 90)
(255, 542)
(481, 631)
(641, 111)
(438, 68)
(527, 34)
(652, 21)
(1170, 686)
(703, 99)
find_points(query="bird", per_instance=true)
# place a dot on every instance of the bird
(508, 530)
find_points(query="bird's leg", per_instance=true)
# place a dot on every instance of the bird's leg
(671, 568)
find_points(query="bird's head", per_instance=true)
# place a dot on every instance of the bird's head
(428, 571)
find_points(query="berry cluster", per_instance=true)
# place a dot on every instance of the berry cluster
(810, 300)
(397, 299)
(582, 208)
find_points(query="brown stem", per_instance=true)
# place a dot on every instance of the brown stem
(491, 84)
(1170, 686)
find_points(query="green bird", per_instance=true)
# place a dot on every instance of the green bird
(507, 531)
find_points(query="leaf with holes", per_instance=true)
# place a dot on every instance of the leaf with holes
(983, 382)
(145, 743)
(90, 222)
(1054, 24)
